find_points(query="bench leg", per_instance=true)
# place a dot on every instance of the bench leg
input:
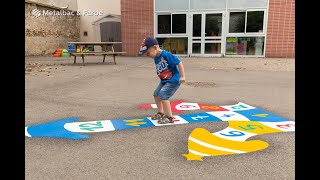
(75, 59)
(104, 57)
(82, 59)
(114, 59)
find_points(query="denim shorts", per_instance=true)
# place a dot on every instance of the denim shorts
(166, 90)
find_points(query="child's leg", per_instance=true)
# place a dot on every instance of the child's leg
(164, 94)
(157, 100)
(159, 104)
(167, 107)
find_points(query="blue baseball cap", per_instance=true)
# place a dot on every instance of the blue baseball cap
(146, 44)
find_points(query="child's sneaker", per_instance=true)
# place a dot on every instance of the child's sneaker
(165, 120)
(157, 116)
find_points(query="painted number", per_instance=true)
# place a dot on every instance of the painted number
(199, 117)
(134, 122)
(187, 106)
(228, 115)
(250, 127)
(210, 107)
(238, 107)
(233, 133)
(91, 126)
(285, 126)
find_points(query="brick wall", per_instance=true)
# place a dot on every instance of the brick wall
(136, 24)
(281, 29)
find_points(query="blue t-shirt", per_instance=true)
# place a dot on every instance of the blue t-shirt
(167, 67)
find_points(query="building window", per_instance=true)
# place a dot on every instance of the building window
(174, 45)
(255, 21)
(213, 25)
(179, 23)
(245, 4)
(172, 24)
(245, 46)
(207, 30)
(196, 48)
(207, 4)
(85, 33)
(237, 22)
(246, 22)
(196, 25)
(212, 48)
(246, 33)
(164, 24)
(170, 5)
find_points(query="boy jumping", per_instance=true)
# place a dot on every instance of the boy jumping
(171, 73)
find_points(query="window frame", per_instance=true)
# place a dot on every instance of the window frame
(226, 33)
(171, 34)
(157, 23)
(245, 33)
(176, 13)
(263, 52)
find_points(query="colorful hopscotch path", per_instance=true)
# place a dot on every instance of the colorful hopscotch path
(244, 121)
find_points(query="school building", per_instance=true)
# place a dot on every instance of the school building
(211, 28)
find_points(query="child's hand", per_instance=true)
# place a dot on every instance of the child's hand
(182, 79)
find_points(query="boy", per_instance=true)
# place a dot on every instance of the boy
(171, 73)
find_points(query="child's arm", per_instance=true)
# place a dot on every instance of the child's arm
(182, 75)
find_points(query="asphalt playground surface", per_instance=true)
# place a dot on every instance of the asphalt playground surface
(101, 91)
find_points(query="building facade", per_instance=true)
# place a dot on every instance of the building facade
(211, 28)
(45, 34)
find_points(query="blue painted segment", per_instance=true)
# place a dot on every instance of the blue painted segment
(55, 129)
(200, 117)
(261, 115)
(122, 124)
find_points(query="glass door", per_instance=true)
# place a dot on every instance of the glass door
(207, 34)
(196, 34)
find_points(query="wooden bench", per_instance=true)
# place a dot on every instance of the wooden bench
(104, 54)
